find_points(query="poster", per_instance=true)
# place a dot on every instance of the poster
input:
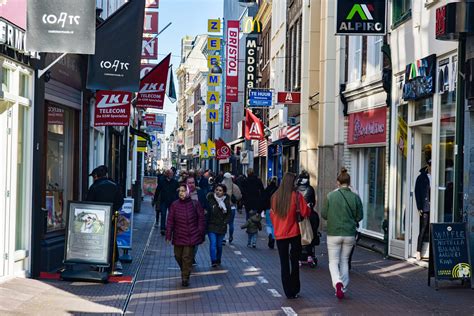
(125, 225)
(149, 185)
(54, 205)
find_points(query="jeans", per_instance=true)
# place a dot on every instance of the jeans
(289, 261)
(252, 239)
(184, 258)
(268, 221)
(231, 222)
(425, 226)
(163, 211)
(339, 250)
(215, 246)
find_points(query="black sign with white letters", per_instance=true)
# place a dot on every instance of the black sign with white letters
(61, 26)
(363, 17)
(250, 64)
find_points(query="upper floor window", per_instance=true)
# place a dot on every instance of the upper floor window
(375, 58)
(401, 11)
(355, 58)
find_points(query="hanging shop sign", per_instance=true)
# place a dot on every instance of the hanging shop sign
(232, 62)
(364, 17)
(112, 108)
(213, 97)
(204, 152)
(289, 97)
(420, 78)
(125, 224)
(250, 25)
(157, 124)
(454, 19)
(227, 115)
(254, 129)
(222, 150)
(211, 148)
(116, 63)
(153, 86)
(213, 43)
(214, 25)
(368, 127)
(61, 26)
(213, 80)
(141, 144)
(250, 63)
(212, 116)
(260, 98)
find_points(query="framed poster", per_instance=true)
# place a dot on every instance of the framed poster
(125, 225)
(88, 233)
(149, 185)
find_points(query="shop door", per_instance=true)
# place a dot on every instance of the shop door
(421, 152)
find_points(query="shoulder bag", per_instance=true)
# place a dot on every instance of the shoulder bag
(357, 234)
(304, 224)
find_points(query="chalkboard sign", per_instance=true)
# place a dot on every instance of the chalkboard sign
(449, 259)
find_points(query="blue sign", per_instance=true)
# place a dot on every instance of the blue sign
(158, 143)
(152, 138)
(125, 225)
(260, 98)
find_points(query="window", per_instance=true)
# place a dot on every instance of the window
(401, 11)
(423, 108)
(375, 62)
(6, 79)
(24, 86)
(355, 58)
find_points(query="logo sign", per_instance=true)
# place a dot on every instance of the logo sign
(251, 63)
(369, 127)
(158, 123)
(153, 86)
(116, 63)
(213, 97)
(12, 36)
(289, 97)
(149, 48)
(150, 24)
(227, 115)
(222, 150)
(213, 59)
(251, 26)
(214, 25)
(112, 108)
(213, 43)
(364, 17)
(253, 127)
(260, 98)
(232, 62)
(212, 116)
(420, 78)
(61, 26)
(213, 80)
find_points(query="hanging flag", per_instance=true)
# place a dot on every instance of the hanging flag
(204, 154)
(153, 86)
(116, 63)
(170, 89)
(254, 129)
(232, 62)
(211, 147)
(112, 108)
(222, 150)
(61, 26)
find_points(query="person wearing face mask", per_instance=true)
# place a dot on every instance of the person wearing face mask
(185, 229)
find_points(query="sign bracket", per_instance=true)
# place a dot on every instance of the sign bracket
(41, 72)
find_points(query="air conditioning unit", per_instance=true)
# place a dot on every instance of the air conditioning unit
(292, 121)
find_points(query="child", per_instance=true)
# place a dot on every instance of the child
(253, 225)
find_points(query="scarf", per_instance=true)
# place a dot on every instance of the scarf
(220, 202)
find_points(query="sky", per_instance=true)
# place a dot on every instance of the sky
(188, 17)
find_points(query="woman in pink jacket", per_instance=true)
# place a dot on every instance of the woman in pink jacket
(185, 229)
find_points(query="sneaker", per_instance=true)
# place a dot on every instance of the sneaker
(339, 291)
(185, 283)
(223, 242)
(254, 246)
(293, 297)
(231, 239)
(118, 265)
(218, 262)
(214, 264)
(194, 263)
(271, 241)
(163, 232)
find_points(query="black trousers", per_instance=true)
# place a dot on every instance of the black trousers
(424, 229)
(289, 250)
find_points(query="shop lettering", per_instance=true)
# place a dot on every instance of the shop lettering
(361, 26)
(112, 111)
(152, 87)
(114, 65)
(12, 36)
(113, 100)
(232, 50)
(61, 20)
(250, 73)
(372, 128)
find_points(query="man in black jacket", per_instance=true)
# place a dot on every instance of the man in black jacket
(252, 193)
(165, 194)
(423, 203)
(106, 191)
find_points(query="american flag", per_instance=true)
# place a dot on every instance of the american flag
(262, 148)
(293, 132)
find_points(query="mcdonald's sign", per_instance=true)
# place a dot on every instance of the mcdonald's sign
(249, 25)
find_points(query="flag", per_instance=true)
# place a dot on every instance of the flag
(211, 147)
(204, 154)
(222, 149)
(170, 89)
(118, 49)
(153, 86)
(254, 129)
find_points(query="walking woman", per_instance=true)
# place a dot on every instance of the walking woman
(219, 214)
(343, 211)
(234, 194)
(185, 229)
(286, 202)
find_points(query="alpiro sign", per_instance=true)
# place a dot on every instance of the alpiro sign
(365, 17)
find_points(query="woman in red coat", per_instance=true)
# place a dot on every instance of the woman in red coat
(185, 229)
(285, 202)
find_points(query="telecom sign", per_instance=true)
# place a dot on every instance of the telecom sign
(364, 17)
(260, 98)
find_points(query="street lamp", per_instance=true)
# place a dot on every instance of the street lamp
(201, 102)
(181, 129)
(189, 121)
(216, 69)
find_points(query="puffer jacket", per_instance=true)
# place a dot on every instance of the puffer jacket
(217, 219)
(186, 223)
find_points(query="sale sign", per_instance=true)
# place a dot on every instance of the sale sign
(227, 115)
(112, 108)
(232, 62)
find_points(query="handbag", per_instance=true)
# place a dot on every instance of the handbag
(357, 234)
(305, 226)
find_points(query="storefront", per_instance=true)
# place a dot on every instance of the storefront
(285, 150)
(16, 143)
(424, 136)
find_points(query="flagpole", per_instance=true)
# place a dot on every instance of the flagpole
(153, 38)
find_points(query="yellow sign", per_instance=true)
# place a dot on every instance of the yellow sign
(402, 136)
(211, 147)
(141, 144)
(214, 25)
(213, 80)
(213, 43)
(204, 152)
(213, 59)
(212, 116)
(250, 25)
(213, 97)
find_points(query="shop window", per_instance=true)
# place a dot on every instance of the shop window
(423, 109)
(22, 179)
(402, 185)
(401, 12)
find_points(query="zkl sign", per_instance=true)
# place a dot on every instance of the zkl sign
(289, 97)
(112, 108)
(364, 17)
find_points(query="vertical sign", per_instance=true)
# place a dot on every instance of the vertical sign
(232, 62)
(227, 115)
(250, 65)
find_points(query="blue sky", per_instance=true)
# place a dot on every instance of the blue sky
(188, 17)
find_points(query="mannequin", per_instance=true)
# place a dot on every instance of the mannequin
(423, 198)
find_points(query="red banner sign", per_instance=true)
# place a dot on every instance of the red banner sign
(112, 108)
(369, 127)
(149, 49)
(150, 22)
(149, 117)
(232, 62)
(153, 86)
(289, 97)
(222, 150)
(253, 127)
(227, 115)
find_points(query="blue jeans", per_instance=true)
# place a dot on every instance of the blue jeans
(268, 221)
(163, 211)
(252, 239)
(231, 222)
(215, 246)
